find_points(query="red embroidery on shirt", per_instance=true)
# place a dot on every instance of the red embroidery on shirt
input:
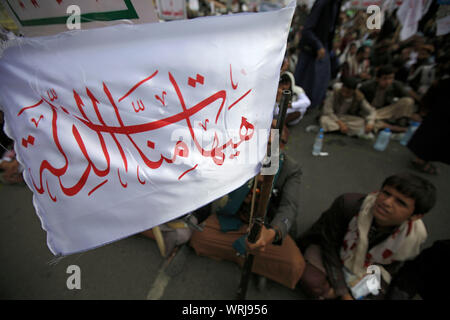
(387, 253)
(410, 225)
(344, 244)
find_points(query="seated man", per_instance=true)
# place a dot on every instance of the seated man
(358, 66)
(346, 110)
(300, 101)
(358, 230)
(11, 172)
(10, 169)
(422, 73)
(223, 236)
(172, 234)
(390, 99)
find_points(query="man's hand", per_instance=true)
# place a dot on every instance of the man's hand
(365, 76)
(342, 127)
(347, 296)
(369, 128)
(320, 54)
(266, 237)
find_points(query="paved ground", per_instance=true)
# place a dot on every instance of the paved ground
(133, 268)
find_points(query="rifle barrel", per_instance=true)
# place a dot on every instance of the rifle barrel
(264, 198)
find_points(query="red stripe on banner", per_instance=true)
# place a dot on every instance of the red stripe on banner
(123, 184)
(133, 129)
(239, 99)
(101, 184)
(49, 194)
(116, 110)
(30, 107)
(137, 85)
(187, 171)
(234, 86)
(141, 182)
(173, 13)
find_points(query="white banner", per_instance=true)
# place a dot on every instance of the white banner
(47, 17)
(126, 127)
(364, 4)
(172, 10)
(443, 26)
(409, 15)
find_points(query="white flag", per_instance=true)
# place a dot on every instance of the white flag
(409, 15)
(126, 127)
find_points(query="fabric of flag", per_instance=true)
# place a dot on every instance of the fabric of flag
(409, 15)
(37, 18)
(126, 127)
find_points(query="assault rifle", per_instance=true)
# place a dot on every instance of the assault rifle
(263, 202)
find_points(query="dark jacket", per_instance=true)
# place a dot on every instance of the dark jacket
(320, 25)
(285, 203)
(434, 127)
(396, 90)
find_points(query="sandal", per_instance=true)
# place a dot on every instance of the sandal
(425, 167)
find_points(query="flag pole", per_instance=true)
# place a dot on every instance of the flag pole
(264, 197)
(159, 240)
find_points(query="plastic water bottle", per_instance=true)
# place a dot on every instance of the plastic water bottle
(382, 140)
(317, 147)
(408, 135)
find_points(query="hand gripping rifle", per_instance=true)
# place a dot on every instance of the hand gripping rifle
(263, 202)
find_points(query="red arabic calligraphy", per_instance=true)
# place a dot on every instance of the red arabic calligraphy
(163, 100)
(100, 128)
(198, 79)
(27, 141)
(234, 86)
(36, 123)
(140, 107)
(204, 126)
(52, 95)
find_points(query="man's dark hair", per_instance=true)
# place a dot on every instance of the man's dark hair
(386, 69)
(349, 83)
(361, 49)
(284, 78)
(413, 186)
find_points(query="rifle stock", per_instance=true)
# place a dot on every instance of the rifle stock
(263, 202)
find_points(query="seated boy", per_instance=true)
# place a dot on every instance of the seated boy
(383, 229)
(392, 101)
(346, 110)
(300, 101)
